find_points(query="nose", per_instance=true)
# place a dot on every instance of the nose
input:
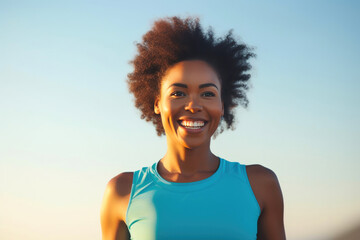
(193, 106)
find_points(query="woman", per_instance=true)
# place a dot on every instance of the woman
(187, 83)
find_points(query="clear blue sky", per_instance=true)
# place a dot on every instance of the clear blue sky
(68, 123)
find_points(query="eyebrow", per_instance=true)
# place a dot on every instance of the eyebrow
(201, 86)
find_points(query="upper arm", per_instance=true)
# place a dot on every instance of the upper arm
(268, 191)
(113, 208)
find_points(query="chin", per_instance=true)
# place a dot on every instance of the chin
(194, 143)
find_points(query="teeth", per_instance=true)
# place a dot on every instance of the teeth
(192, 124)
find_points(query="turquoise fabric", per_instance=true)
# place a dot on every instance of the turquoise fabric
(222, 206)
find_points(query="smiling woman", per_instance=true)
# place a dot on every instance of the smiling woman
(189, 104)
(187, 83)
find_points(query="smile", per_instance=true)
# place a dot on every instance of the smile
(188, 124)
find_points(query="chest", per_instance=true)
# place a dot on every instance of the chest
(212, 213)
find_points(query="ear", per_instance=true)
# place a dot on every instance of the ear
(156, 106)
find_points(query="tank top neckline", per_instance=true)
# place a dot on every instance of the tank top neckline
(186, 186)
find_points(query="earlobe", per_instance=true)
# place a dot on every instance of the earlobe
(156, 107)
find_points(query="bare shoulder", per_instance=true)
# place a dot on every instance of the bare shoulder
(120, 185)
(267, 191)
(114, 205)
(264, 183)
(261, 173)
(117, 194)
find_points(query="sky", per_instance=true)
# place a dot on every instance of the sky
(68, 123)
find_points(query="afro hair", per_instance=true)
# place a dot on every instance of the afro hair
(172, 40)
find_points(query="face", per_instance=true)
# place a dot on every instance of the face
(190, 103)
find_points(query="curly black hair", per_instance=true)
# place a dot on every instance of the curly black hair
(172, 40)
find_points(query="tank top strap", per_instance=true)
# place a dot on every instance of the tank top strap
(141, 179)
(237, 169)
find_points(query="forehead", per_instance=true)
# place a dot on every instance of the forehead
(190, 72)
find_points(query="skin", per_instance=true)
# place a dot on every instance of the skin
(188, 155)
(192, 90)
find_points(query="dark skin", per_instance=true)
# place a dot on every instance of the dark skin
(190, 91)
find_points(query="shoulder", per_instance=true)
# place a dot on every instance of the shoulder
(267, 190)
(120, 185)
(261, 173)
(265, 185)
(117, 193)
(114, 206)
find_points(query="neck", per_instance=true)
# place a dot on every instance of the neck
(188, 162)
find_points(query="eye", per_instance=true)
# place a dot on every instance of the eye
(177, 94)
(208, 94)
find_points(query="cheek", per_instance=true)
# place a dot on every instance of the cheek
(169, 112)
(172, 107)
(217, 110)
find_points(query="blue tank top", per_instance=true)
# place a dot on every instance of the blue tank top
(222, 206)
